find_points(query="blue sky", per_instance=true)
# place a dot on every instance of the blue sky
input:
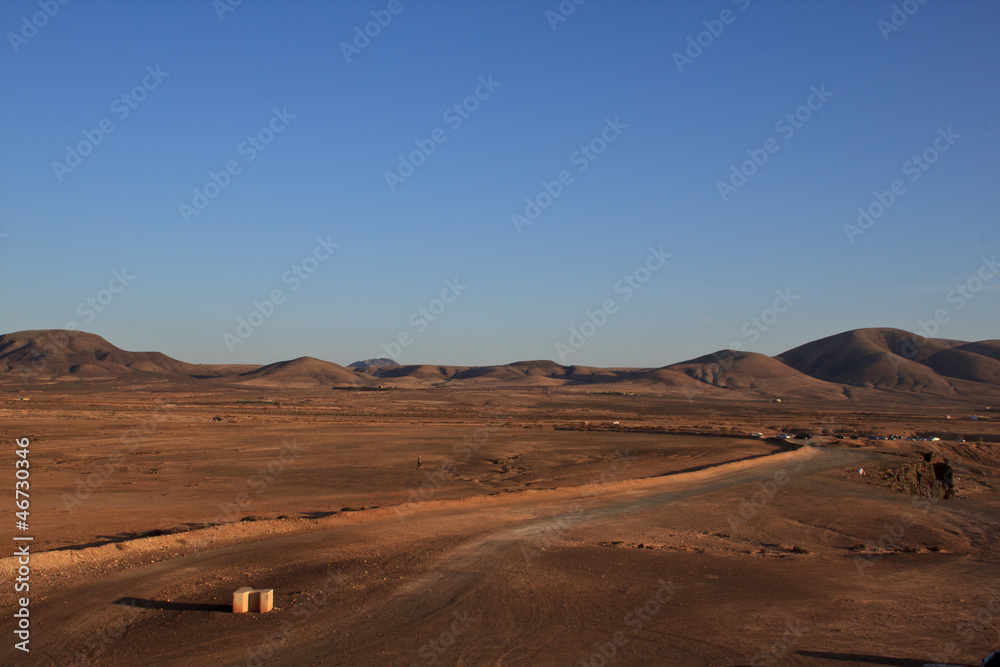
(276, 72)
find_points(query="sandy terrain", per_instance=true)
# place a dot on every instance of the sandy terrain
(536, 532)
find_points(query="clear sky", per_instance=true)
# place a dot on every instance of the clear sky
(633, 115)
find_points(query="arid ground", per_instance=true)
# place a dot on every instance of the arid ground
(538, 530)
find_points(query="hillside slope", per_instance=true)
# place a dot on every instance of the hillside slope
(897, 360)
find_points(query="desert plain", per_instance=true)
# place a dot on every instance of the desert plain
(630, 518)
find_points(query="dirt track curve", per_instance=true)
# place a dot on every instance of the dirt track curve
(383, 586)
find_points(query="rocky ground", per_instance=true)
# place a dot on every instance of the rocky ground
(670, 538)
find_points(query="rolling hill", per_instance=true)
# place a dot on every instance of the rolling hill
(56, 354)
(897, 360)
(842, 367)
(752, 372)
(304, 371)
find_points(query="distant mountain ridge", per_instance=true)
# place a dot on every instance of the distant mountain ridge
(380, 362)
(838, 367)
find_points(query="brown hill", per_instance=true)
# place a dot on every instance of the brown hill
(670, 378)
(985, 348)
(304, 371)
(758, 373)
(975, 362)
(891, 361)
(592, 374)
(50, 355)
(520, 373)
(542, 367)
(898, 360)
(424, 372)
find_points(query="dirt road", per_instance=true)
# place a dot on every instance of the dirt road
(503, 579)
